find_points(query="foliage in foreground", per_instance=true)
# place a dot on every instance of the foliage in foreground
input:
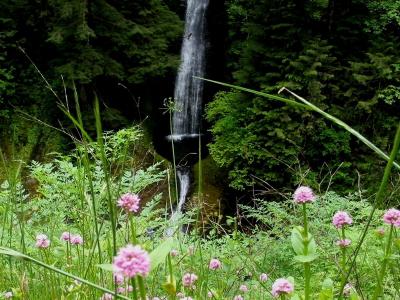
(224, 264)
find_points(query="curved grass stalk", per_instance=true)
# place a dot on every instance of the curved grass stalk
(309, 106)
(16, 254)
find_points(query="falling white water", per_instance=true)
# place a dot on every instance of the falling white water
(184, 182)
(189, 90)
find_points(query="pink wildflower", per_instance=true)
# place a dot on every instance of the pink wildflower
(129, 288)
(8, 295)
(174, 252)
(347, 289)
(189, 279)
(210, 295)
(155, 298)
(107, 296)
(263, 277)
(129, 202)
(214, 264)
(243, 288)
(392, 217)
(303, 194)
(65, 236)
(118, 279)
(132, 261)
(282, 286)
(343, 243)
(180, 295)
(341, 218)
(238, 297)
(121, 290)
(42, 241)
(76, 240)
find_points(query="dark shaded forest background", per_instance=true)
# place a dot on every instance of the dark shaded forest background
(342, 55)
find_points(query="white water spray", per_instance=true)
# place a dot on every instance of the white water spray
(188, 92)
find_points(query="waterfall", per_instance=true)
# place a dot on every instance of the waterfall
(188, 90)
(184, 182)
(188, 93)
(183, 175)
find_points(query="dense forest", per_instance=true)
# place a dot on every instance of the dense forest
(343, 56)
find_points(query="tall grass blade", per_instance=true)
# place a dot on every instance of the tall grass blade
(16, 254)
(378, 201)
(310, 106)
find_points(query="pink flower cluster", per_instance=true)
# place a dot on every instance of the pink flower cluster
(303, 194)
(214, 264)
(263, 277)
(74, 239)
(238, 297)
(42, 241)
(392, 217)
(122, 290)
(243, 288)
(282, 286)
(341, 218)
(107, 296)
(8, 295)
(129, 202)
(343, 243)
(132, 261)
(189, 279)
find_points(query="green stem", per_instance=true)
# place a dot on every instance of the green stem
(379, 286)
(307, 267)
(378, 200)
(133, 229)
(141, 287)
(133, 282)
(343, 263)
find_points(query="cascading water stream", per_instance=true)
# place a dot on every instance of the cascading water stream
(188, 92)
(184, 183)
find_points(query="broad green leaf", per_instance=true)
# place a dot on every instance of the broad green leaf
(305, 258)
(312, 245)
(297, 240)
(159, 254)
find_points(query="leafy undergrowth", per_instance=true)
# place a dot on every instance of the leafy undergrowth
(58, 241)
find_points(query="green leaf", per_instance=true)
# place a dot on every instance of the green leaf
(326, 290)
(297, 240)
(306, 258)
(106, 267)
(159, 254)
(312, 245)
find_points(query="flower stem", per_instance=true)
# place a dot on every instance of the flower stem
(379, 286)
(343, 262)
(307, 267)
(141, 287)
